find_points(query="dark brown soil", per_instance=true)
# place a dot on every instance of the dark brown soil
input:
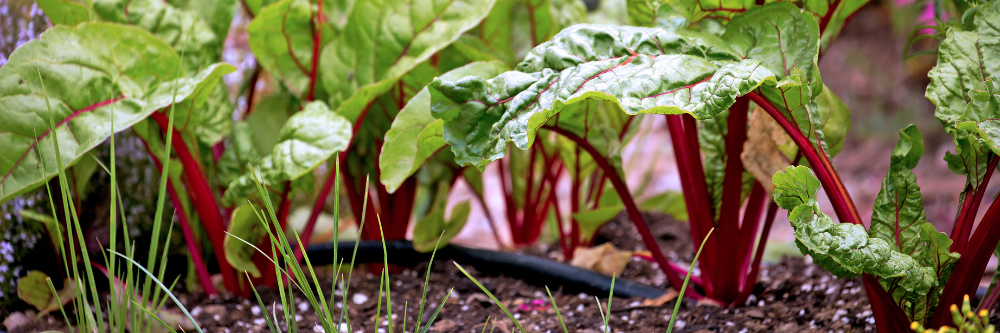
(792, 296)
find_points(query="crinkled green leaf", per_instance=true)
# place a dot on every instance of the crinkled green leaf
(68, 12)
(281, 37)
(680, 13)
(308, 139)
(245, 224)
(981, 115)
(843, 249)
(966, 60)
(428, 229)
(899, 219)
(89, 72)
(785, 41)
(899, 208)
(217, 13)
(644, 70)
(185, 31)
(196, 30)
(415, 135)
(384, 40)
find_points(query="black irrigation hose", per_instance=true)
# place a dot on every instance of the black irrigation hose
(531, 269)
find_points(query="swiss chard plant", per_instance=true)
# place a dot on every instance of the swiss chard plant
(702, 65)
(921, 271)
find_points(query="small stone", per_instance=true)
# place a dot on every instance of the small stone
(359, 298)
(215, 310)
(19, 321)
(754, 313)
(444, 325)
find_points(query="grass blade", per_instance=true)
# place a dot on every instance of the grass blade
(556, 307)
(164, 288)
(495, 300)
(680, 296)
(438, 311)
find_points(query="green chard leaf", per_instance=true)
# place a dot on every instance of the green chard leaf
(244, 227)
(898, 218)
(845, 250)
(240, 153)
(68, 12)
(185, 31)
(386, 39)
(434, 224)
(784, 40)
(196, 30)
(643, 70)
(309, 138)
(281, 37)
(513, 27)
(217, 13)
(547, 17)
(680, 13)
(960, 88)
(89, 72)
(415, 135)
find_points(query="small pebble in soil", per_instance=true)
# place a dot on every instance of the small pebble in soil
(359, 298)
(255, 310)
(318, 329)
(303, 306)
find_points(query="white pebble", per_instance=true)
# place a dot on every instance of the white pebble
(303, 306)
(318, 329)
(359, 298)
(255, 310)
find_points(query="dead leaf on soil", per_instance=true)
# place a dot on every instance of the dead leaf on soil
(668, 296)
(605, 259)
(444, 325)
(761, 154)
(34, 289)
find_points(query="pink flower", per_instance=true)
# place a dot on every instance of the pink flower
(534, 305)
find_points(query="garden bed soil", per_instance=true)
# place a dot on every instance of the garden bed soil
(791, 296)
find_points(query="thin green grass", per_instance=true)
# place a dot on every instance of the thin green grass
(680, 296)
(494, 298)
